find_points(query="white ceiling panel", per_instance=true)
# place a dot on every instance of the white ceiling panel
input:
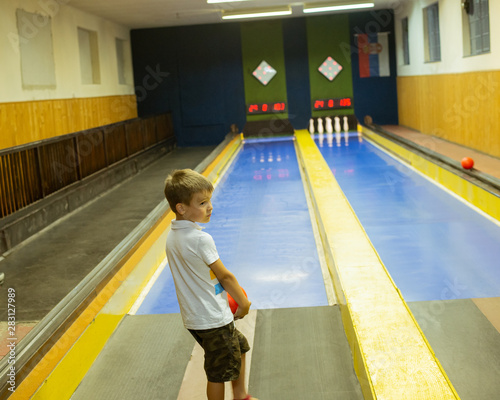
(159, 13)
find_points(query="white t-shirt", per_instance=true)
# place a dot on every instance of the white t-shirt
(201, 297)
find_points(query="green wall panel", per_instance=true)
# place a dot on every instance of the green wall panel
(328, 35)
(263, 40)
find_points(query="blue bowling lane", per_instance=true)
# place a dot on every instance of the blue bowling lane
(434, 246)
(262, 230)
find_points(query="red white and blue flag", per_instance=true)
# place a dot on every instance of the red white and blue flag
(373, 50)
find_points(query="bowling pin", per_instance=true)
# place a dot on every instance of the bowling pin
(321, 136)
(346, 125)
(337, 125)
(311, 126)
(320, 126)
(346, 131)
(328, 125)
(329, 139)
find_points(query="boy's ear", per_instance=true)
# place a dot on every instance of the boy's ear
(179, 207)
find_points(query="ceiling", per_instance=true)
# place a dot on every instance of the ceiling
(136, 14)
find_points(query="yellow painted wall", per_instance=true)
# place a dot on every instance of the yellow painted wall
(29, 121)
(462, 108)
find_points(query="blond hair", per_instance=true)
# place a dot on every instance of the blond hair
(182, 184)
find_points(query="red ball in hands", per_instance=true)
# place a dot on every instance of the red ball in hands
(232, 304)
(467, 162)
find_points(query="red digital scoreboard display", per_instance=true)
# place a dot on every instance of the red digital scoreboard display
(332, 104)
(265, 108)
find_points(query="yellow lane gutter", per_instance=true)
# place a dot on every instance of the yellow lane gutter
(392, 358)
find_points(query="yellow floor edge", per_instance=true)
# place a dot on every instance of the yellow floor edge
(61, 370)
(482, 199)
(73, 366)
(392, 358)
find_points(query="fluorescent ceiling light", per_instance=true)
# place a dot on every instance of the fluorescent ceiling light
(313, 8)
(257, 13)
(222, 1)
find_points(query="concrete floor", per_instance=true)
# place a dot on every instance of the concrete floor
(466, 344)
(298, 353)
(46, 267)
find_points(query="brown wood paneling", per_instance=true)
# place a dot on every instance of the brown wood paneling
(461, 108)
(19, 185)
(32, 185)
(6, 191)
(58, 165)
(116, 146)
(164, 126)
(91, 152)
(29, 121)
(135, 139)
(18, 180)
(149, 131)
(33, 171)
(26, 185)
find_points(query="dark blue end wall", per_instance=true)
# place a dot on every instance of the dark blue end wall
(201, 80)
(297, 72)
(196, 73)
(376, 97)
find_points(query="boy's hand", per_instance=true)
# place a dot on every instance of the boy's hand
(241, 311)
(231, 285)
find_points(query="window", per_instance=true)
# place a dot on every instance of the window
(431, 33)
(406, 43)
(476, 27)
(89, 57)
(35, 48)
(121, 58)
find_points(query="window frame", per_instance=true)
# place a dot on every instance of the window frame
(479, 28)
(88, 47)
(405, 40)
(432, 36)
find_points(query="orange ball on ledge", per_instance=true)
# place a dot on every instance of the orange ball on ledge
(467, 162)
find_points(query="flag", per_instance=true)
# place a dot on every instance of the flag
(373, 52)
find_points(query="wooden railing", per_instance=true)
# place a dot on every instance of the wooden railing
(33, 171)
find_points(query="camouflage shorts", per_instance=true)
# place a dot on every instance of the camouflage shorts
(223, 349)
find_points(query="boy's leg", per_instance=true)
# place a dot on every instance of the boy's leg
(239, 390)
(215, 391)
(223, 347)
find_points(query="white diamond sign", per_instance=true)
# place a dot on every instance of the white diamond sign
(264, 73)
(330, 68)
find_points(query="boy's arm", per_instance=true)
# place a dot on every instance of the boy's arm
(231, 285)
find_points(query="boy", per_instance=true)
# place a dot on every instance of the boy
(200, 280)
